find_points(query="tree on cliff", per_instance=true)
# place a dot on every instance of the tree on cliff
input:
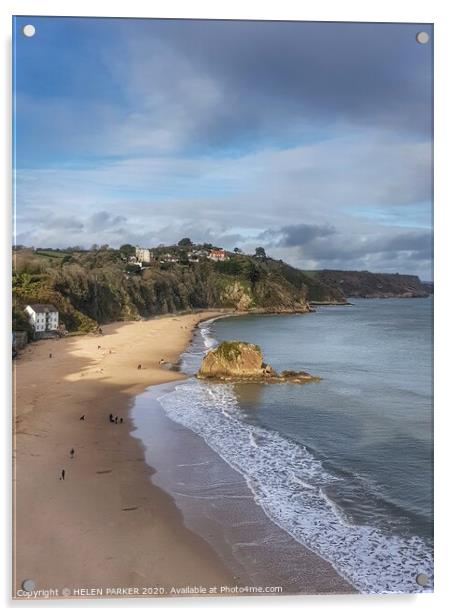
(185, 242)
(127, 250)
(260, 253)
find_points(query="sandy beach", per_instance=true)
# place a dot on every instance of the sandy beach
(104, 525)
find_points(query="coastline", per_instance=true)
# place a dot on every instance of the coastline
(253, 429)
(218, 504)
(106, 525)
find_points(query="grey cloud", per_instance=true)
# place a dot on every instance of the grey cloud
(417, 242)
(348, 252)
(296, 235)
(346, 248)
(69, 223)
(288, 75)
(183, 84)
(101, 221)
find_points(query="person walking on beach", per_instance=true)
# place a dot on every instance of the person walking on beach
(111, 418)
(139, 367)
(72, 452)
(63, 475)
(116, 419)
(121, 420)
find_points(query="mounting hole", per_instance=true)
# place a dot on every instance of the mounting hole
(29, 30)
(422, 579)
(422, 37)
(28, 585)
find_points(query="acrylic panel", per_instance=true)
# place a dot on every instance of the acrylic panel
(222, 308)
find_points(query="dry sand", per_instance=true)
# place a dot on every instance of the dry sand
(105, 525)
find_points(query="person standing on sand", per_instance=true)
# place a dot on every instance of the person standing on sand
(72, 452)
(63, 475)
(111, 418)
(116, 419)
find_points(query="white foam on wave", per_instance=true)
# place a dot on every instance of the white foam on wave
(253, 441)
(205, 329)
(290, 484)
(305, 484)
(203, 341)
(335, 508)
(206, 333)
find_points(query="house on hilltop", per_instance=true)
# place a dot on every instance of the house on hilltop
(43, 318)
(169, 258)
(144, 255)
(192, 257)
(218, 255)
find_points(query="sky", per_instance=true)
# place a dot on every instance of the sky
(313, 140)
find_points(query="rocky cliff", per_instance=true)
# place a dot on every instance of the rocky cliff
(95, 287)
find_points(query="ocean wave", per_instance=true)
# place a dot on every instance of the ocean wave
(206, 333)
(291, 486)
(202, 342)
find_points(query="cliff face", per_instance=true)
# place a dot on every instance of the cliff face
(94, 287)
(369, 285)
(428, 287)
(97, 286)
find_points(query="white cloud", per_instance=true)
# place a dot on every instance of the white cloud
(159, 198)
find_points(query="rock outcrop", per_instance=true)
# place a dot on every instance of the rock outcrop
(236, 360)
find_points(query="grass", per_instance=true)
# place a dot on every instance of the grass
(231, 350)
(53, 254)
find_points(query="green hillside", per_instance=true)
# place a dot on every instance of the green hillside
(101, 285)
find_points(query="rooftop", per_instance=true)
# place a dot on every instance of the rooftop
(43, 307)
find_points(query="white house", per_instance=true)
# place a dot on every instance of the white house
(42, 317)
(143, 254)
(169, 258)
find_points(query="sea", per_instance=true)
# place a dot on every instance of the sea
(342, 466)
